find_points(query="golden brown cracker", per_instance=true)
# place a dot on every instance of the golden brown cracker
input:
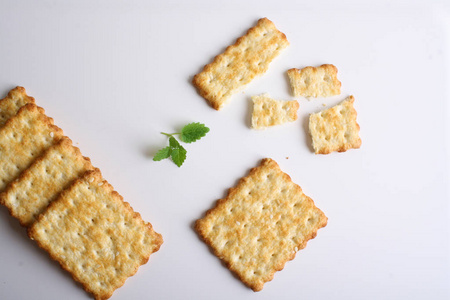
(335, 129)
(315, 81)
(261, 224)
(95, 235)
(270, 112)
(249, 57)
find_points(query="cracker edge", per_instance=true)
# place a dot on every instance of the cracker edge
(272, 164)
(291, 73)
(342, 148)
(48, 121)
(218, 58)
(97, 174)
(18, 90)
(26, 171)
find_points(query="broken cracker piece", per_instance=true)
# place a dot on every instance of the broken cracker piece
(261, 224)
(249, 57)
(335, 129)
(314, 82)
(10, 105)
(95, 235)
(41, 183)
(23, 138)
(270, 112)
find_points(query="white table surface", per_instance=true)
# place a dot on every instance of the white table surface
(113, 74)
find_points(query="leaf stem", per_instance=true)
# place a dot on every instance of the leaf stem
(170, 134)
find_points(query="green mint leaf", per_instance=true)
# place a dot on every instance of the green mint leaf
(193, 132)
(173, 142)
(178, 155)
(162, 154)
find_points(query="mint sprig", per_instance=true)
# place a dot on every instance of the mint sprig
(189, 133)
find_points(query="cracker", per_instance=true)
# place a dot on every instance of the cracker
(10, 105)
(261, 224)
(249, 57)
(314, 82)
(23, 138)
(335, 129)
(95, 235)
(41, 183)
(270, 112)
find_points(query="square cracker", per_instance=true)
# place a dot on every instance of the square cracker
(95, 235)
(10, 105)
(41, 183)
(261, 224)
(249, 57)
(270, 112)
(314, 82)
(335, 129)
(23, 138)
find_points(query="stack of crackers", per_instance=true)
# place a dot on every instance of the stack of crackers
(68, 208)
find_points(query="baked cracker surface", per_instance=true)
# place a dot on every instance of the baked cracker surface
(10, 105)
(41, 183)
(95, 235)
(314, 81)
(23, 138)
(270, 112)
(249, 57)
(335, 129)
(261, 224)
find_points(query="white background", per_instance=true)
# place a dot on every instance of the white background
(114, 74)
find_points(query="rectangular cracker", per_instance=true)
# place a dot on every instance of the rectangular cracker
(270, 112)
(314, 82)
(261, 224)
(335, 129)
(23, 138)
(95, 235)
(249, 57)
(41, 183)
(10, 105)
